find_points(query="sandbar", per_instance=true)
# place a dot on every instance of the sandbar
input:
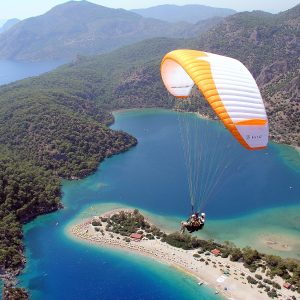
(224, 276)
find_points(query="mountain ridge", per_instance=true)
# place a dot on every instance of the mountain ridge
(192, 13)
(8, 24)
(82, 27)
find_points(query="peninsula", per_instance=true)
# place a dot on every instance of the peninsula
(235, 273)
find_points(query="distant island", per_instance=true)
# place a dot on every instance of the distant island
(234, 272)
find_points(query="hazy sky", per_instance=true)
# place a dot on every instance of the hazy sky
(26, 8)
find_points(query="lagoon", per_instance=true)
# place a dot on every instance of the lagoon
(152, 177)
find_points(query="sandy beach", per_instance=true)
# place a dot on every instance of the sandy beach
(208, 269)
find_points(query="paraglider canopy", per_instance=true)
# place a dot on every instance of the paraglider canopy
(228, 87)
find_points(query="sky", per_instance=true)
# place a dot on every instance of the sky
(22, 9)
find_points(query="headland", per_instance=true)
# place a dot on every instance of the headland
(234, 273)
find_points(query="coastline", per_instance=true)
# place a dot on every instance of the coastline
(210, 273)
(271, 244)
(199, 115)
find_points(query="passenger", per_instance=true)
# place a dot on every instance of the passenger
(187, 223)
(194, 223)
(202, 220)
(195, 220)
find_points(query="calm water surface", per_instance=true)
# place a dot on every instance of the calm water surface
(152, 177)
(15, 70)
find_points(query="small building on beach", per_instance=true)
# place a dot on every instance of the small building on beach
(287, 285)
(136, 236)
(216, 252)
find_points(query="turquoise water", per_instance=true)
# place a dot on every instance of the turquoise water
(15, 70)
(152, 177)
(65, 269)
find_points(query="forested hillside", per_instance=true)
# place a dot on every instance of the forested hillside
(45, 135)
(269, 46)
(26, 190)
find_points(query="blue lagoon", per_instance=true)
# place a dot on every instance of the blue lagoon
(152, 177)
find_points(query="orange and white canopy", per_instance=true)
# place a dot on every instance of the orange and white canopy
(228, 87)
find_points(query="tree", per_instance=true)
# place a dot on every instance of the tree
(236, 254)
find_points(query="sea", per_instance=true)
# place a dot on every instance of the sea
(255, 203)
(11, 70)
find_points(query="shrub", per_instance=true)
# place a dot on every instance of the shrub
(272, 294)
(149, 236)
(250, 255)
(266, 280)
(260, 285)
(257, 276)
(225, 254)
(252, 268)
(251, 280)
(236, 254)
(96, 223)
(276, 285)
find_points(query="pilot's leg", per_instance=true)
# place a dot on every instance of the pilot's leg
(183, 227)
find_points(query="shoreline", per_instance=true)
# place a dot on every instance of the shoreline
(210, 273)
(198, 114)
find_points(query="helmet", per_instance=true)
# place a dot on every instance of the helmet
(203, 215)
(193, 215)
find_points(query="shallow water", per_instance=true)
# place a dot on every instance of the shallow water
(152, 177)
(263, 231)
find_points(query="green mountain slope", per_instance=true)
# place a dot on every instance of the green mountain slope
(45, 135)
(185, 13)
(269, 46)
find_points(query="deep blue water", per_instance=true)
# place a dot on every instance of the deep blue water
(150, 176)
(15, 70)
(153, 176)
